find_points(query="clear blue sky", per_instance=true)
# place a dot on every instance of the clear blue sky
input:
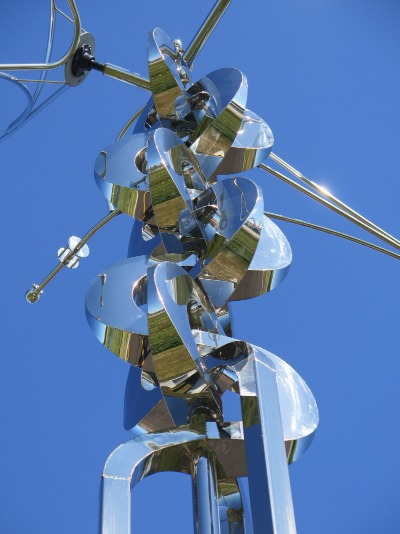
(325, 75)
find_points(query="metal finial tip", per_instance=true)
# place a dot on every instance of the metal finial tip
(32, 296)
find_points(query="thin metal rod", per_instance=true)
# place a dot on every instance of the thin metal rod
(49, 47)
(391, 241)
(46, 102)
(34, 294)
(205, 31)
(16, 125)
(96, 228)
(55, 64)
(67, 17)
(326, 194)
(130, 122)
(42, 81)
(25, 113)
(124, 75)
(332, 232)
(63, 14)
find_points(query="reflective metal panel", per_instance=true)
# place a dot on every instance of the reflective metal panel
(270, 263)
(207, 242)
(185, 385)
(235, 228)
(166, 73)
(252, 145)
(178, 450)
(270, 494)
(116, 313)
(219, 102)
(231, 509)
(120, 172)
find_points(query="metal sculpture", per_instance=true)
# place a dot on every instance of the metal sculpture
(167, 312)
(201, 241)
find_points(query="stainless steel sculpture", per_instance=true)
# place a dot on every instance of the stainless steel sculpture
(167, 312)
(202, 240)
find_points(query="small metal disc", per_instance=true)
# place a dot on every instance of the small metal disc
(71, 79)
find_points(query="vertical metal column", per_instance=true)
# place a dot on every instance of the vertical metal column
(116, 506)
(205, 495)
(269, 484)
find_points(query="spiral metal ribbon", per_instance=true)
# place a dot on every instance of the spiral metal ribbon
(204, 243)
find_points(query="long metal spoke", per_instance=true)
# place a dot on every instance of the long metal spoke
(34, 294)
(326, 194)
(205, 31)
(332, 232)
(130, 122)
(42, 81)
(124, 75)
(383, 236)
(49, 47)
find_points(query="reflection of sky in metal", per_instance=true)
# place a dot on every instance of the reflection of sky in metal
(301, 93)
(298, 407)
(110, 298)
(273, 251)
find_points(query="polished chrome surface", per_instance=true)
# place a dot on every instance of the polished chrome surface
(200, 240)
(69, 257)
(270, 263)
(125, 75)
(205, 31)
(320, 228)
(168, 76)
(120, 172)
(270, 494)
(186, 387)
(325, 193)
(205, 494)
(252, 145)
(173, 175)
(173, 450)
(122, 328)
(219, 103)
(232, 516)
(263, 378)
(346, 213)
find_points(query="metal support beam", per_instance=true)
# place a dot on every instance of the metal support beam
(269, 484)
(205, 495)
